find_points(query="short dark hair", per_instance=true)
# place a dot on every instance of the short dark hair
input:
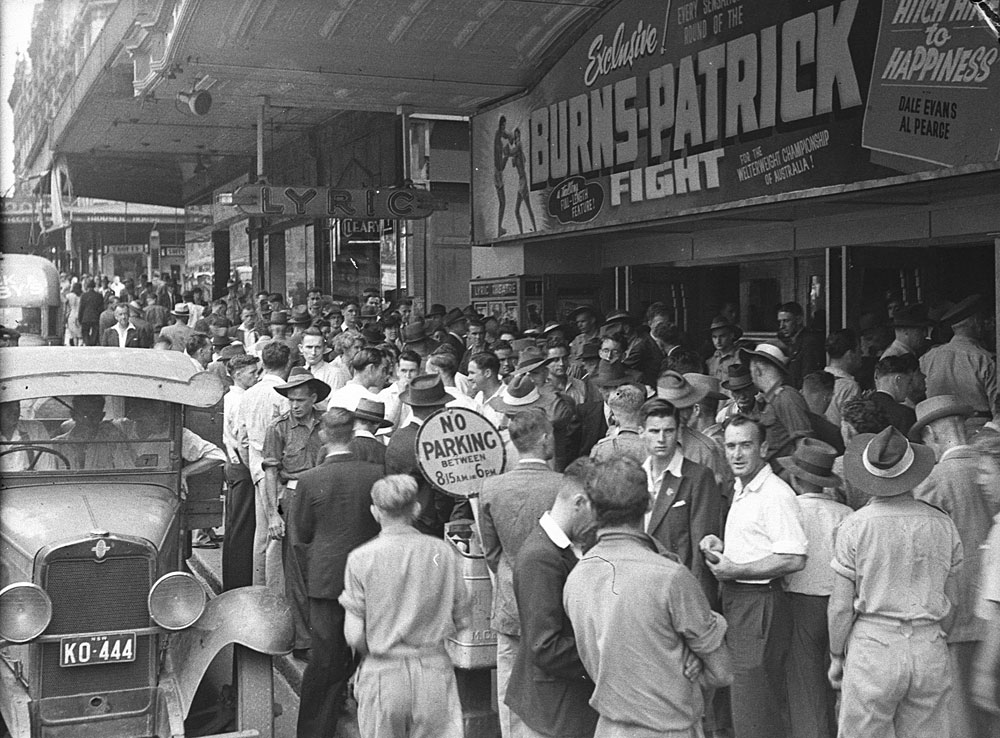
(618, 491)
(619, 338)
(899, 364)
(738, 421)
(840, 341)
(501, 346)
(527, 427)
(445, 361)
(684, 361)
(338, 424)
(365, 357)
(487, 361)
(275, 355)
(815, 381)
(195, 343)
(411, 356)
(313, 289)
(865, 416)
(793, 308)
(657, 407)
(556, 342)
(668, 333)
(312, 331)
(244, 360)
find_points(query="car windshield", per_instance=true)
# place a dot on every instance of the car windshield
(87, 433)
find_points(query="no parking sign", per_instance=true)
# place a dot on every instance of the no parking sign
(457, 448)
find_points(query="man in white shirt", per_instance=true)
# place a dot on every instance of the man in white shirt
(398, 412)
(237, 553)
(13, 432)
(260, 407)
(764, 541)
(368, 369)
(484, 374)
(844, 354)
(313, 349)
(445, 365)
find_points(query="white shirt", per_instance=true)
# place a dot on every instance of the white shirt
(820, 516)
(763, 520)
(259, 408)
(230, 418)
(347, 396)
(463, 384)
(326, 372)
(494, 416)
(123, 333)
(461, 399)
(28, 432)
(654, 484)
(397, 412)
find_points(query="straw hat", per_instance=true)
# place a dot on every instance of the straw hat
(935, 408)
(769, 353)
(518, 396)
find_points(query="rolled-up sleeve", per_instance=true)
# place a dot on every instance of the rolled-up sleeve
(783, 526)
(845, 551)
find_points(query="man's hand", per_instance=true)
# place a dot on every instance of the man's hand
(836, 672)
(711, 546)
(275, 526)
(723, 569)
(692, 665)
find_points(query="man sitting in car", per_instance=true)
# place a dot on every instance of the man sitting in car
(93, 442)
(14, 432)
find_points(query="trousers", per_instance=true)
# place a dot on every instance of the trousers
(292, 556)
(330, 665)
(267, 568)
(896, 681)
(759, 634)
(408, 696)
(811, 699)
(511, 726)
(241, 523)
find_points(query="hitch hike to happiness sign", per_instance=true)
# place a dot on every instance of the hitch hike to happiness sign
(457, 448)
(673, 107)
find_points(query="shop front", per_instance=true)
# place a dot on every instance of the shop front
(829, 152)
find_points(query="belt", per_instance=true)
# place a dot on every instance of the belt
(904, 626)
(774, 584)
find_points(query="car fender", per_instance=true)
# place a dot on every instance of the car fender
(256, 617)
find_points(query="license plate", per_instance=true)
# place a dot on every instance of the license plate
(98, 649)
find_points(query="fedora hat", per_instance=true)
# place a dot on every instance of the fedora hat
(232, 351)
(721, 321)
(911, 316)
(278, 317)
(530, 359)
(675, 389)
(372, 411)
(300, 316)
(518, 396)
(470, 312)
(813, 462)
(373, 334)
(426, 390)
(590, 350)
(553, 325)
(739, 378)
(221, 340)
(708, 382)
(768, 352)
(885, 464)
(437, 310)
(300, 376)
(964, 309)
(935, 408)
(181, 310)
(610, 374)
(577, 312)
(520, 344)
(453, 316)
(618, 316)
(414, 332)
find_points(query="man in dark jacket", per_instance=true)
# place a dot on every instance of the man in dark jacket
(333, 517)
(91, 305)
(549, 689)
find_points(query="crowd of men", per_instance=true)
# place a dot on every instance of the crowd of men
(789, 538)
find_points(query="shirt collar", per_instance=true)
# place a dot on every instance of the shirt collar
(674, 468)
(953, 450)
(363, 434)
(309, 421)
(532, 460)
(837, 372)
(553, 531)
(130, 326)
(756, 483)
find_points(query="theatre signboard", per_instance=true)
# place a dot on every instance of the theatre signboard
(667, 109)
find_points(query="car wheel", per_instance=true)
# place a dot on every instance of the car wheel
(254, 691)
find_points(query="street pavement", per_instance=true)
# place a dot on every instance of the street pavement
(206, 564)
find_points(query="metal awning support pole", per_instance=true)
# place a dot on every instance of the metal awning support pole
(260, 136)
(403, 226)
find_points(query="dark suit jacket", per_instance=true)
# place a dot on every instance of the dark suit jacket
(133, 339)
(368, 449)
(332, 519)
(806, 354)
(685, 511)
(91, 306)
(593, 425)
(401, 458)
(827, 432)
(510, 506)
(549, 689)
(900, 416)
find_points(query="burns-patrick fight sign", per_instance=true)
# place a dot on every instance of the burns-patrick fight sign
(668, 108)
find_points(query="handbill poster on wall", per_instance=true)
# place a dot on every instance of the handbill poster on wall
(667, 108)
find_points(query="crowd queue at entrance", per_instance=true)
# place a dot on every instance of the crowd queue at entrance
(796, 537)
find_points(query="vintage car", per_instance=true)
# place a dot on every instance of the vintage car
(103, 631)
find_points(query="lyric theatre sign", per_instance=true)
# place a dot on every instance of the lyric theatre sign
(655, 113)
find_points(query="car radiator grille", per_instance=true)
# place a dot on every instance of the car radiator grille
(97, 596)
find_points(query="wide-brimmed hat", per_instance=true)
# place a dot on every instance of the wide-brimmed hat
(453, 316)
(372, 411)
(300, 316)
(437, 310)
(721, 321)
(530, 359)
(300, 376)
(576, 312)
(590, 350)
(618, 316)
(675, 389)
(885, 464)
(709, 382)
(911, 316)
(935, 408)
(768, 352)
(553, 325)
(520, 344)
(135, 308)
(221, 340)
(278, 317)
(739, 377)
(373, 334)
(231, 351)
(415, 332)
(181, 310)
(813, 462)
(964, 309)
(426, 390)
(470, 312)
(610, 374)
(519, 395)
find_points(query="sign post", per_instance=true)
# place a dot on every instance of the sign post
(457, 449)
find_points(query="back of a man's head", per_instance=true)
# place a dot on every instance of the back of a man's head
(618, 491)
(626, 404)
(528, 428)
(338, 426)
(840, 341)
(444, 363)
(395, 494)
(275, 356)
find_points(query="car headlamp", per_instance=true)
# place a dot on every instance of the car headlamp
(25, 612)
(176, 600)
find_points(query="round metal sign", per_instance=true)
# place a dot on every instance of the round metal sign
(457, 448)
